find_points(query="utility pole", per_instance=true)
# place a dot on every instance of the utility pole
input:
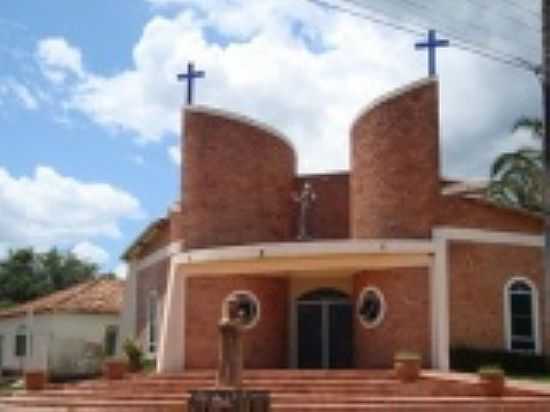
(546, 177)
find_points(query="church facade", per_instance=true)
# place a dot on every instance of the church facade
(335, 270)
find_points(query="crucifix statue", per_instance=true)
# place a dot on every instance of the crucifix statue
(305, 199)
(190, 77)
(432, 44)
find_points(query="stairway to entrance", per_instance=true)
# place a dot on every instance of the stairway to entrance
(291, 390)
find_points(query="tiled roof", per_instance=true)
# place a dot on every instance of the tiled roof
(100, 296)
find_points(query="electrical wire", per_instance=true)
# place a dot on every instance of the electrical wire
(499, 12)
(522, 7)
(458, 37)
(483, 51)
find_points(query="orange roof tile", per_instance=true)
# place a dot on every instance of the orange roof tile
(103, 296)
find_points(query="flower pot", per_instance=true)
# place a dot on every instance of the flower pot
(35, 380)
(407, 369)
(114, 369)
(492, 384)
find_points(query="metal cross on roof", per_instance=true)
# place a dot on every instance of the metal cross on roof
(432, 44)
(190, 77)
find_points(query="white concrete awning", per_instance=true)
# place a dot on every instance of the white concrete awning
(306, 257)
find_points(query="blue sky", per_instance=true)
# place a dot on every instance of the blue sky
(89, 105)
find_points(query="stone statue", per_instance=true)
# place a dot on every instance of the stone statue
(306, 198)
(230, 353)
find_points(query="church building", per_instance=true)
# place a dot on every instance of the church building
(337, 270)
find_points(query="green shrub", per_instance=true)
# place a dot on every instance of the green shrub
(134, 354)
(469, 359)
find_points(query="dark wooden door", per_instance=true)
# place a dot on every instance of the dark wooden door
(325, 333)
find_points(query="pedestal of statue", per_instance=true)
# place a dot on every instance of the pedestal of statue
(230, 362)
(228, 396)
(229, 400)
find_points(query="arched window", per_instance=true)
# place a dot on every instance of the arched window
(152, 322)
(521, 315)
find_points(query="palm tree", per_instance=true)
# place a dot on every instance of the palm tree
(516, 177)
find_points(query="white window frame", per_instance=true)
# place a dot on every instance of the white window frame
(252, 296)
(534, 314)
(381, 316)
(152, 299)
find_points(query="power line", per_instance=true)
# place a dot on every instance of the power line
(444, 21)
(460, 37)
(506, 16)
(522, 7)
(495, 55)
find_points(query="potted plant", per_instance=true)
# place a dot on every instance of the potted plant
(134, 354)
(407, 366)
(492, 379)
(114, 368)
(35, 379)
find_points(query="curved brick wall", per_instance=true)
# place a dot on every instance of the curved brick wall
(264, 345)
(395, 165)
(406, 324)
(237, 181)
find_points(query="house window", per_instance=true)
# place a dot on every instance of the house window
(248, 307)
(521, 310)
(152, 322)
(21, 341)
(371, 307)
(111, 335)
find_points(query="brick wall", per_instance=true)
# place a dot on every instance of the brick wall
(395, 166)
(478, 275)
(406, 324)
(265, 345)
(329, 215)
(237, 184)
(471, 213)
(153, 278)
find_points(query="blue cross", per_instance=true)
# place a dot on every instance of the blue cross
(190, 77)
(432, 44)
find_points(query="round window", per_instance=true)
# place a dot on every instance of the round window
(371, 307)
(248, 307)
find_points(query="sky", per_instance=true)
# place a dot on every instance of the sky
(90, 106)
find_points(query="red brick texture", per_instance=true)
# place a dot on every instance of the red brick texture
(237, 183)
(406, 324)
(395, 166)
(265, 344)
(329, 217)
(479, 273)
(153, 278)
(471, 213)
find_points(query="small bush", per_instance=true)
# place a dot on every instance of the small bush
(469, 359)
(134, 354)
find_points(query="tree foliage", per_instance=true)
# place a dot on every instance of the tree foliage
(517, 177)
(26, 274)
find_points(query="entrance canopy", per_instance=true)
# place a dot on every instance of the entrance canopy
(307, 257)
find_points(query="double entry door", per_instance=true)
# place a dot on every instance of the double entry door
(325, 334)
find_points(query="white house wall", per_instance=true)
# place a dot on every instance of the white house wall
(52, 330)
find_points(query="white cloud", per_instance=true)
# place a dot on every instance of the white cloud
(58, 58)
(51, 209)
(24, 95)
(306, 72)
(174, 153)
(13, 88)
(121, 270)
(91, 252)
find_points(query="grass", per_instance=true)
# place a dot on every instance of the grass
(534, 378)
